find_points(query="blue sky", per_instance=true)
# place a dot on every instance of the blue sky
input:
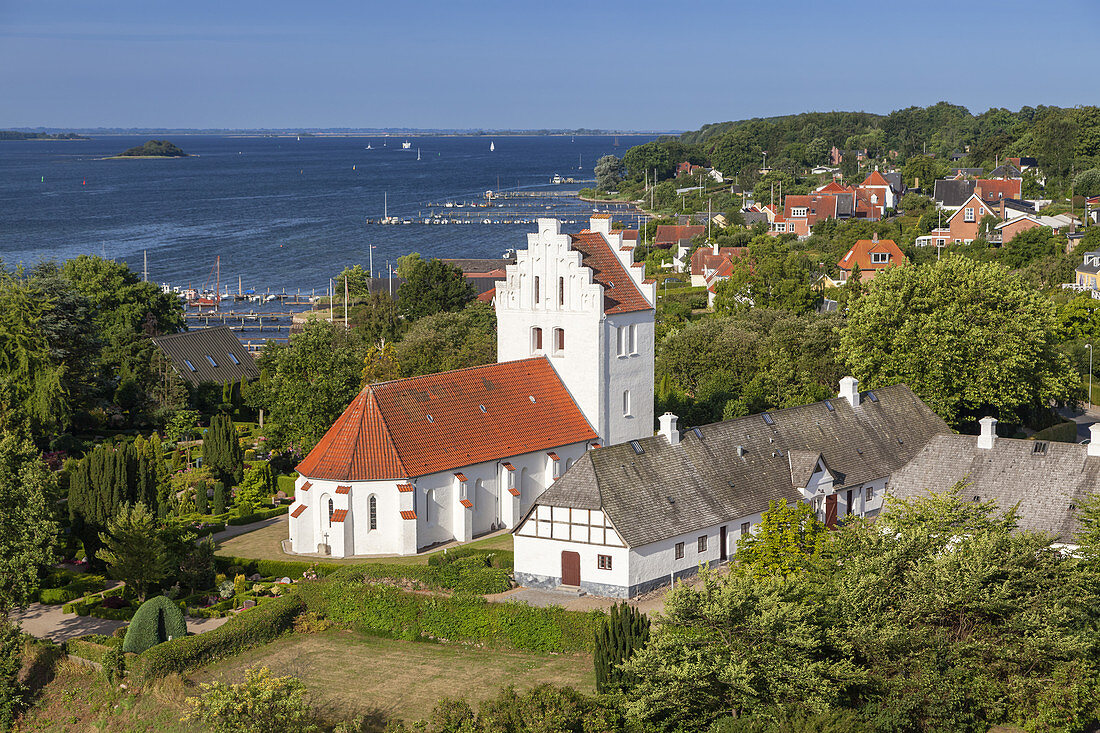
(625, 65)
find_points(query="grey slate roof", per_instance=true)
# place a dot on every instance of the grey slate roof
(480, 265)
(1044, 487)
(949, 192)
(673, 490)
(219, 344)
(1006, 170)
(752, 217)
(896, 182)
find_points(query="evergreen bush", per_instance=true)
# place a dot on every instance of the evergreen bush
(200, 499)
(625, 630)
(219, 498)
(155, 622)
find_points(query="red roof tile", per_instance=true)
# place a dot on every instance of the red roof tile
(460, 476)
(487, 296)
(629, 234)
(513, 492)
(508, 466)
(385, 434)
(875, 179)
(298, 512)
(343, 489)
(466, 503)
(305, 486)
(620, 294)
(405, 514)
(339, 515)
(553, 456)
(405, 488)
(670, 234)
(860, 253)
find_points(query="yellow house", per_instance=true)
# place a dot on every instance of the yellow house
(1087, 271)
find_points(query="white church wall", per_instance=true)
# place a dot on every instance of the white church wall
(629, 338)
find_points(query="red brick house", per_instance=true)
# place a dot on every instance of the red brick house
(873, 256)
(962, 226)
(669, 235)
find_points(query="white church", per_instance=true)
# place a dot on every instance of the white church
(417, 462)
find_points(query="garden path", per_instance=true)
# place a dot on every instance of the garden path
(48, 622)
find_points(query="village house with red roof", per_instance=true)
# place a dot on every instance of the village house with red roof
(446, 457)
(872, 256)
(962, 226)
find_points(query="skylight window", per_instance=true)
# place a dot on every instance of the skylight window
(637, 447)
(1040, 448)
(872, 396)
(698, 433)
(768, 419)
(829, 406)
(482, 407)
(233, 358)
(211, 360)
(189, 365)
(431, 419)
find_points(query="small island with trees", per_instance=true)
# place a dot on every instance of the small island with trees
(152, 149)
(17, 135)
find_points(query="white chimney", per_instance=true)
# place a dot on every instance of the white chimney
(601, 224)
(989, 433)
(849, 390)
(668, 428)
(1094, 439)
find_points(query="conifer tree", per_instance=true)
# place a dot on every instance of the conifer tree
(219, 498)
(133, 549)
(618, 636)
(221, 450)
(200, 498)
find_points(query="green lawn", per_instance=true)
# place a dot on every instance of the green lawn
(265, 544)
(350, 674)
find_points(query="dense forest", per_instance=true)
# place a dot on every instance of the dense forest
(154, 149)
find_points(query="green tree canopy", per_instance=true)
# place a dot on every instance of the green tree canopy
(27, 531)
(358, 283)
(609, 173)
(446, 341)
(434, 287)
(133, 549)
(966, 336)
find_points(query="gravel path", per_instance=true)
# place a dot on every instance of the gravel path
(48, 622)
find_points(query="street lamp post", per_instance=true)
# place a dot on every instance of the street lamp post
(1089, 347)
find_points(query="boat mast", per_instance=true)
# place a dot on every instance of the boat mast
(218, 282)
(145, 267)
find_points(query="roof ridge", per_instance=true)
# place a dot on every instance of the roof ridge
(453, 371)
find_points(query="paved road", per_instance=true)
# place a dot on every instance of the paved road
(48, 622)
(233, 531)
(1083, 418)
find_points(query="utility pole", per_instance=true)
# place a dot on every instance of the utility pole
(145, 267)
(346, 326)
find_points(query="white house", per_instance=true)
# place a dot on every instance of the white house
(629, 518)
(416, 462)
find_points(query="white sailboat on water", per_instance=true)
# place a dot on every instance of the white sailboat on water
(492, 146)
(406, 145)
(418, 153)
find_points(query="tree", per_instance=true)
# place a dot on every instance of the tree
(447, 341)
(256, 489)
(434, 287)
(221, 450)
(219, 498)
(789, 538)
(380, 364)
(27, 531)
(358, 282)
(407, 264)
(376, 320)
(311, 380)
(262, 703)
(1029, 246)
(642, 160)
(967, 337)
(1087, 183)
(196, 569)
(852, 288)
(818, 151)
(618, 636)
(133, 549)
(609, 173)
(921, 171)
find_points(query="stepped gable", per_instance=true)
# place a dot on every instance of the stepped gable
(620, 293)
(385, 433)
(732, 469)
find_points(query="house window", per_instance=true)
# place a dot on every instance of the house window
(559, 339)
(679, 550)
(331, 510)
(233, 359)
(536, 289)
(880, 258)
(702, 543)
(870, 493)
(780, 227)
(981, 211)
(968, 215)
(744, 528)
(536, 339)
(632, 339)
(561, 291)
(798, 211)
(620, 339)
(189, 364)
(626, 403)
(373, 507)
(603, 562)
(211, 360)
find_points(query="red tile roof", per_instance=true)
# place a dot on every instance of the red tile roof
(601, 216)
(875, 179)
(385, 434)
(508, 466)
(305, 486)
(466, 503)
(629, 234)
(513, 491)
(460, 476)
(834, 187)
(487, 296)
(620, 294)
(405, 514)
(670, 234)
(298, 512)
(860, 254)
(405, 488)
(339, 515)
(553, 456)
(993, 190)
(343, 489)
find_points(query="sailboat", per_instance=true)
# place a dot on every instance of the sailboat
(418, 153)
(492, 146)
(369, 147)
(406, 145)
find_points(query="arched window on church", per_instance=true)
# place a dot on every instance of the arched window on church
(561, 291)
(536, 289)
(373, 511)
(536, 339)
(331, 510)
(559, 340)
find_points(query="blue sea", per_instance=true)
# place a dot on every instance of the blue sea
(283, 213)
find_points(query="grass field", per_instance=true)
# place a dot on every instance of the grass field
(351, 674)
(265, 544)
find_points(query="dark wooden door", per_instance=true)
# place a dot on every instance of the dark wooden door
(830, 511)
(848, 508)
(722, 541)
(570, 568)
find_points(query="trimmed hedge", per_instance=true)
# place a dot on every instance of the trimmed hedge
(470, 575)
(493, 558)
(285, 483)
(274, 568)
(155, 622)
(257, 516)
(247, 629)
(1063, 432)
(85, 649)
(388, 611)
(77, 588)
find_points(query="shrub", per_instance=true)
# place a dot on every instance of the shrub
(157, 620)
(310, 623)
(1064, 432)
(260, 704)
(274, 568)
(114, 664)
(285, 483)
(112, 614)
(617, 637)
(258, 515)
(219, 498)
(247, 629)
(493, 558)
(85, 648)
